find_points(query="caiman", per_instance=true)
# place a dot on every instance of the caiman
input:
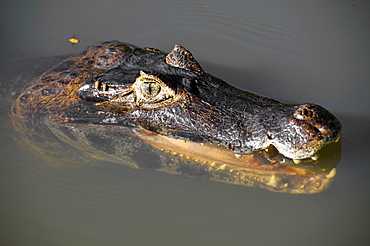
(151, 109)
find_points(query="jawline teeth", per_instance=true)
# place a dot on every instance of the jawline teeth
(332, 173)
(315, 157)
(238, 156)
(298, 161)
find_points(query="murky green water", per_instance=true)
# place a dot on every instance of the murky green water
(293, 51)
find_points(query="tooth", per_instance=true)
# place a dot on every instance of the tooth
(202, 144)
(273, 181)
(213, 164)
(223, 167)
(315, 157)
(332, 173)
(297, 161)
(238, 156)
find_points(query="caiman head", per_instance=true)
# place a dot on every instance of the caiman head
(171, 95)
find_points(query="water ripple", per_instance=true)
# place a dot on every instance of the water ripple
(236, 23)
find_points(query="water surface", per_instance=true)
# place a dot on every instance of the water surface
(294, 51)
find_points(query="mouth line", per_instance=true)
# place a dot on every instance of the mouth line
(214, 155)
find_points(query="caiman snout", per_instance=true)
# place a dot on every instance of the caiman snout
(309, 129)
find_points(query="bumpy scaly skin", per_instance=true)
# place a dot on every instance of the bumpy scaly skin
(107, 85)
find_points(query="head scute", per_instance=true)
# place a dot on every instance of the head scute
(182, 58)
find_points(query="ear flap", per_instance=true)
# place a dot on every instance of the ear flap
(182, 58)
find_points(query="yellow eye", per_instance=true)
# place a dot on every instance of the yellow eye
(151, 89)
(151, 92)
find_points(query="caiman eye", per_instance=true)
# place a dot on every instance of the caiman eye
(151, 92)
(151, 89)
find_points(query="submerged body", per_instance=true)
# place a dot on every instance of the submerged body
(114, 94)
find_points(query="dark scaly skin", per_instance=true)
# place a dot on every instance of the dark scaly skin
(118, 84)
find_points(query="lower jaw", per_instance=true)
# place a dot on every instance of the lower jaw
(267, 169)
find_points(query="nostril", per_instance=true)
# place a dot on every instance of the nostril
(305, 112)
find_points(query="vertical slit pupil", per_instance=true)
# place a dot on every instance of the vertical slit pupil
(151, 89)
